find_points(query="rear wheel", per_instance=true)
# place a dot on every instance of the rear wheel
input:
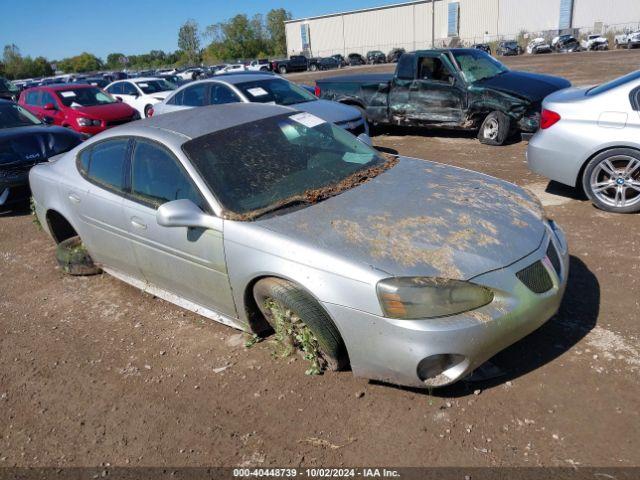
(297, 317)
(494, 129)
(611, 180)
(313, 67)
(282, 69)
(147, 109)
(74, 259)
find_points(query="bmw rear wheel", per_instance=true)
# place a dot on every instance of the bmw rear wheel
(611, 180)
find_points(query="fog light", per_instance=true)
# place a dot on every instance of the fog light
(431, 369)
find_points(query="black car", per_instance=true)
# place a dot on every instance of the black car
(328, 63)
(340, 59)
(509, 47)
(376, 56)
(8, 90)
(485, 47)
(356, 59)
(395, 54)
(25, 141)
(567, 44)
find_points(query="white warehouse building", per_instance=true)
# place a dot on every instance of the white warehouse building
(409, 25)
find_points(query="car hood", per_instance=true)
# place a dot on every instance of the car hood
(34, 144)
(421, 218)
(330, 111)
(531, 86)
(112, 111)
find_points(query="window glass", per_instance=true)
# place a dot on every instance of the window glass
(129, 89)
(477, 65)
(107, 162)
(47, 98)
(157, 178)
(262, 163)
(84, 158)
(115, 88)
(32, 98)
(177, 98)
(220, 94)
(154, 86)
(433, 69)
(195, 96)
(277, 90)
(405, 67)
(84, 97)
(12, 115)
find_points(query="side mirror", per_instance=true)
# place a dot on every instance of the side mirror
(185, 213)
(49, 106)
(383, 87)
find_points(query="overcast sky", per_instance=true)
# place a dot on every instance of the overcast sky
(63, 28)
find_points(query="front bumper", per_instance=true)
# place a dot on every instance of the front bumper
(395, 351)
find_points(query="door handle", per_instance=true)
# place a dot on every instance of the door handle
(136, 222)
(74, 198)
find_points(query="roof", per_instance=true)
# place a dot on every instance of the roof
(64, 86)
(196, 122)
(371, 9)
(139, 79)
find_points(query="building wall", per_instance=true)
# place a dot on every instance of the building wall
(409, 25)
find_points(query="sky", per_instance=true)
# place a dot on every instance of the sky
(62, 28)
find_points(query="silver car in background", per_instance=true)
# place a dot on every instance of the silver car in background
(264, 88)
(590, 138)
(411, 272)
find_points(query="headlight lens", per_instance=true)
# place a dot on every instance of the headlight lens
(414, 298)
(87, 122)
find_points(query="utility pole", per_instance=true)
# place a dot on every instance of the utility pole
(433, 24)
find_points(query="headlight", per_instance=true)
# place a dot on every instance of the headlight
(87, 122)
(425, 297)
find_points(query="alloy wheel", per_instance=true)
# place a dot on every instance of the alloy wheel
(615, 181)
(491, 128)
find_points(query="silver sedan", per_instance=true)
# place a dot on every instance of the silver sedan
(590, 138)
(408, 271)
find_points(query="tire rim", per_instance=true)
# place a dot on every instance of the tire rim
(491, 128)
(615, 181)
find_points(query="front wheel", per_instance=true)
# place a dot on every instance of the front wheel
(301, 323)
(611, 180)
(313, 67)
(282, 70)
(147, 110)
(494, 129)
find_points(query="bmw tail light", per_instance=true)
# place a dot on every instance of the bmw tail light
(317, 91)
(548, 119)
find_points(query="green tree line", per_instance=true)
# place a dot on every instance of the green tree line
(240, 37)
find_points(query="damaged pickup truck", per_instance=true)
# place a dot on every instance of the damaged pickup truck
(463, 89)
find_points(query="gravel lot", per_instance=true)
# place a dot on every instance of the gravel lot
(93, 371)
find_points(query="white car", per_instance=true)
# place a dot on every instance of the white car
(259, 66)
(538, 45)
(141, 93)
(190, 74)
(595, 42)
(628, 40)
(232, 68)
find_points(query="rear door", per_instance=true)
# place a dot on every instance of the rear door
(187, 262)
(437, 95)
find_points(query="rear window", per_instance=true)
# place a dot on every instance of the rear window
(280, 92)
(618, 82)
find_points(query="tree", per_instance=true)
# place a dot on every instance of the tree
(115, 60)
(189, 41)
(275, 26)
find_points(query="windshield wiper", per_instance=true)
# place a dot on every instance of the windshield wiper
(282, 204)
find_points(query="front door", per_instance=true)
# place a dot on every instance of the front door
(437, 94)
(188, 262)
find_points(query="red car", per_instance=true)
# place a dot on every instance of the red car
(83, 108)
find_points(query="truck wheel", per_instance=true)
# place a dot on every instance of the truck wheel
(611, 180)
(495, 129)
(282, 69)
(313, 67)
(74, 259)
(274, 295)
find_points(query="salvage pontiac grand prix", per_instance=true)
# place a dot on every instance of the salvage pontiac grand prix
(409, 271)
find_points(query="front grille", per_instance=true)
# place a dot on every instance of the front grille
(554, 258)
(536, 278)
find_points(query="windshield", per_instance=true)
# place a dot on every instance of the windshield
(255, 167)
(275, 90)
(12, 115)
(84, 97)
(477, 65)
(154, 86)
(605, 87)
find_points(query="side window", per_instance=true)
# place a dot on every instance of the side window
(106, 165)
(222, 94)
(405, 68)
(47, 98)
(157, 177)
(129, 89)
(434, 70)
(32, 98)
(177, 98)
(115, 88)
(195, 96)
(83, 161)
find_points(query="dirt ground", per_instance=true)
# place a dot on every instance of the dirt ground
(94, 372)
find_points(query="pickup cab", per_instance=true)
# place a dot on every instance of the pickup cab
(627, 40)
(463, 89)
(296, 63)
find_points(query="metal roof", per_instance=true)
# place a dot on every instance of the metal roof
(370, 9)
